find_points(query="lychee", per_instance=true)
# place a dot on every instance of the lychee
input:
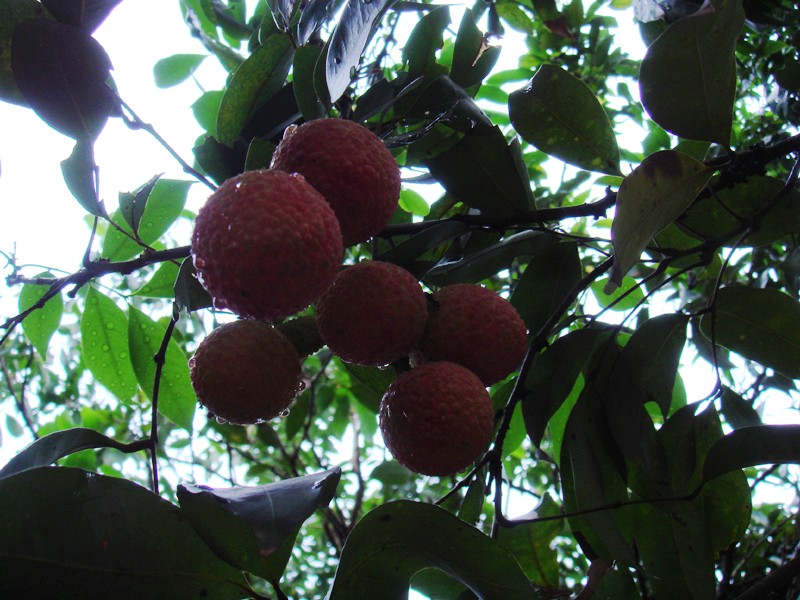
(245, 372)
(373, 314)
(350, 166)
(474, 327)
(266, 245)
(436, 419)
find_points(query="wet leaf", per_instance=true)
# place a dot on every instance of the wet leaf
(42, 323)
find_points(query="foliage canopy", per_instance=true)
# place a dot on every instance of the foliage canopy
(641, 215)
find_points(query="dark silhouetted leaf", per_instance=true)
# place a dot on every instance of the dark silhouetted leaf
(62, 72)
(12, 13)
(259, 154)
(305, 63)
(132, 205)
(41, 324)
(760, 324)
(649, 199)
(190, 295)
(255, 81)
(79, 175)
(687, 79)
(302, 332)
(714, 216)
(424, 41)
(176, 398)
(547, 280)
(406, 252)
(67, 533)
(552, 375)
(48, 449)
(85, 14)
(485, 172)
(313, 16)
(104, 345)
(473, 58)
(177, 68)
(348, 42)
(246, 526)
(369, 383)
(751, 446)
(559, 114)
(218, 160)
(397, 539)
(282, 11)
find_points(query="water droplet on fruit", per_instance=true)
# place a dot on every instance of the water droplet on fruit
(284, 413)
(191, 362)
(220, 304)
(337, 60)
(199, 263)
(219, 420)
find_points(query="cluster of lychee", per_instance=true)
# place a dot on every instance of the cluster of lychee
(269, 243)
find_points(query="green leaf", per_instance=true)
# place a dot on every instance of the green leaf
(687, 80)
(176, 398)
(78, 171)
(559, 114)
(760, 324)
(40, 325)
(205, 110)
(175, 69)
(303, 67)
(259, 154)
(247, 525)
(547, 280)
(132, 205)
(472, 58)
(190, 295)
(163, 207)
(751, 446)
(627, 295)
(348, 41)
(104, 345)
(256, 80)
(650, 198)
(424, 41)
(485, 172)
(48, 449)
(715, 215)
(406, 252)
(413, 202)
(67, 533)
(162, 283)
(397, 539)
(369, 383)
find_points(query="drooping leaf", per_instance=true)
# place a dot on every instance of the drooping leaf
(397, 539)
(12, 13)
(62, 73)
(104, 345)
(246, 525)
(425, 41)
(255, 81)
(132, 205)
(176, 69)
(303, 67)
(714, 216)
(176, 397)
(552, 375)
(79, 175)
(760, 324)
(348, 41)
(737, 411)
(559, 114)
(546, 282)
(751, 446)
(687, 79)
(406, 252)
(41, 324)
(163, 206)
(67, 533)
(649, 199)
(473, 58)
(85, 14)
(485, 172)
(190, 295)
(48, 449)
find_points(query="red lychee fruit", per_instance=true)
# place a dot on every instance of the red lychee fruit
(472, 326)
(373, 314)
(266, 245)
(437, 419)
(350, 166)
(245, 372)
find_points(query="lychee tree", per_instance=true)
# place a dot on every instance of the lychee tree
(632, 218)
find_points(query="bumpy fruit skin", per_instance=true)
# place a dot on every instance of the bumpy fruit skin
(245, 372)
(266, 245)
(350, 166)
(474, 327)
(436, 419)
(373, 314)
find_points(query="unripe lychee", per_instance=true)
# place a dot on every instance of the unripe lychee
(472, 326)
(350, 166)
(373, 314)
(437, 419)
(266, 245)
(245, 372)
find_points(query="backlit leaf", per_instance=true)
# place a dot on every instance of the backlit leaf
(175, 69)
(751, 446)
(12, 13)
(559, 114)
(649, 199)
(41, 324)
